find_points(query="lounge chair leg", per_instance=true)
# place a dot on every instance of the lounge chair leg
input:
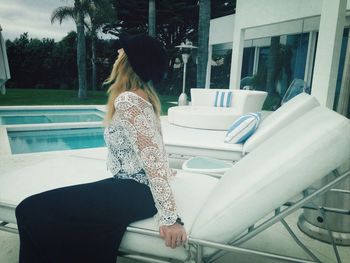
(199, 254)
(299, 243)
(323, 212)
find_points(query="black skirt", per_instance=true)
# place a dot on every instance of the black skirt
(81, 223)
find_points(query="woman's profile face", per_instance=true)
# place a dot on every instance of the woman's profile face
(120, 53)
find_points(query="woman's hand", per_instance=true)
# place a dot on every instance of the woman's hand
(174, 235)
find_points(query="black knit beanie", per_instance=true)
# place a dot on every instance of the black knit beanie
(146, 55)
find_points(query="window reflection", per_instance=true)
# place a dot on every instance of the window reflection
(220, 66)
(279, 60)
(342, 74)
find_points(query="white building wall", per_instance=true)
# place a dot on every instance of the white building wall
(328, 51)
(221, 30)
(270, 17)
(284, 28)
(262, 18)
(254, 13)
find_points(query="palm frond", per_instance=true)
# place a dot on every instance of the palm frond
(87, 7)
(88, 25)
(62, 13)
(100, 13)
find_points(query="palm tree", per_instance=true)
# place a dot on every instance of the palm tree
(77, 13)
(100, 13)
(152, 18)
(272, 63)
(203, 41)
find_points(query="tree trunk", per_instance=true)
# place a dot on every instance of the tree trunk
(203, 41)
(272, 64)
(81, 54)
(93, 61)
(152, 18)
(344, 95)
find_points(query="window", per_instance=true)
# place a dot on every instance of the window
(341, 73)
(247, 64)
(280, 60)
(220, 66)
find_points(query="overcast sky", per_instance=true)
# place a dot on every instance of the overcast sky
(33, 16)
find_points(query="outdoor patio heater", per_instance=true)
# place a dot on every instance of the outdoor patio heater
(186, 50)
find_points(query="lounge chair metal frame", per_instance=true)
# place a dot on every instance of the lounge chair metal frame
(195, 246)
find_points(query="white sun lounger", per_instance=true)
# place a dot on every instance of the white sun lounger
(183, 142)
(216, 211)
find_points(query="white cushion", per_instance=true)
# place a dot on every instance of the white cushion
(284, 115)
(188, 202)
(64, 171)
(18, 184)
(200, 117)
(202, 97)
(245, 101)
(243, 128)
(278, 169)
(198, 142)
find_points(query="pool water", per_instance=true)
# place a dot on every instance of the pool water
(55, 140)
(10, 117)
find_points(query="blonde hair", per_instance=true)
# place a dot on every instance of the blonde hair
(123, 78)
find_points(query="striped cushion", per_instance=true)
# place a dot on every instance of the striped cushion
(242, 128)
(223, 99)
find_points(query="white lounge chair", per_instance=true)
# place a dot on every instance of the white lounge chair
(216, 211)
(183, 142)
(203, 115)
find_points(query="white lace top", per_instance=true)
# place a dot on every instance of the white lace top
(136, 151)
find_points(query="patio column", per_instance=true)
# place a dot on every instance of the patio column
(310, 57)
(207, 80)
(328, 51)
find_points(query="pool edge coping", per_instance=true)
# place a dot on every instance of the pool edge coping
(5, 148)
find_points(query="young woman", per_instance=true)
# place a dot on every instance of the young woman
(85, 223)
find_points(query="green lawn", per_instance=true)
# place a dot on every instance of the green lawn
(16, 97)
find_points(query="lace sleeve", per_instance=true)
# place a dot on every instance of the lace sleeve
(138, 119)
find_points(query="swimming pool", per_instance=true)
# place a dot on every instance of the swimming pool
(37, 116)
(55, 139)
